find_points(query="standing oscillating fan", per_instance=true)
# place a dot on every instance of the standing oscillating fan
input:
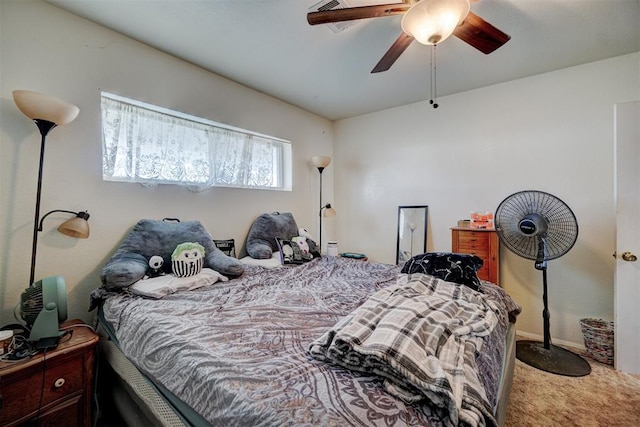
(539, 226)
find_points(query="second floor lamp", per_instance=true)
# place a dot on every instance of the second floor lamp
(326, 211)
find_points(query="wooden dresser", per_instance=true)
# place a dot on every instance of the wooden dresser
(52, 391)
(483, 243)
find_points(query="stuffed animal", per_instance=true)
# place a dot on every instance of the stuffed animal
(304, 247)
(313, 246)
(187, 259)
(155, 267)
(304, 233)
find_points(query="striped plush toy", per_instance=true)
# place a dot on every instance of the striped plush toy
(187, 259)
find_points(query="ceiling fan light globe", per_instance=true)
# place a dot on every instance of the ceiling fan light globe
(432, 21)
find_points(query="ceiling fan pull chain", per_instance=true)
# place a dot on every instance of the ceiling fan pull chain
(434, 91)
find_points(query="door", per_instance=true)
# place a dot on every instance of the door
(627, 272)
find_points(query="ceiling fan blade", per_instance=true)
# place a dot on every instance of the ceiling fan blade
(480, 34)
(351, 13)
(394, 52)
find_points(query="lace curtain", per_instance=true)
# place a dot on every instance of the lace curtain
(155, 147)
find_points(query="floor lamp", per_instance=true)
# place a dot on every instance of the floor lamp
(48, 112)
(321, 162)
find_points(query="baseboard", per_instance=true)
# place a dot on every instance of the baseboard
(536, 337)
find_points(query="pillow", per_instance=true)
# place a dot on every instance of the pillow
(272, 262)
(158, 287)
(228, 246)
(290, 252)
(456, 268)
(261, 240)
(154, 237)
(187, 259)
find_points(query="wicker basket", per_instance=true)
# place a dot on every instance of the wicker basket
(598, 339)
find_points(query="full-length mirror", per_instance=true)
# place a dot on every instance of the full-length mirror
(412, 232)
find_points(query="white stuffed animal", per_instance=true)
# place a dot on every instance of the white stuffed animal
(304, 247)
(302, 232)
(302, 244)
(313, 246)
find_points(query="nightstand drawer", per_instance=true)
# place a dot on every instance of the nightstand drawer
(63, 380)
(21, 394)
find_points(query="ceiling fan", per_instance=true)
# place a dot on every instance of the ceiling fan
(417, 24)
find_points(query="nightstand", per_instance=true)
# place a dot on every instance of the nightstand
(57, 388)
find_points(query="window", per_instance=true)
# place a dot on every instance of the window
(153, 145)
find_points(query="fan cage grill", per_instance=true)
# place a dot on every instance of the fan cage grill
(32, 303)
(560, 236)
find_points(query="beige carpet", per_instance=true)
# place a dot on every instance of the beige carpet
(605, 397)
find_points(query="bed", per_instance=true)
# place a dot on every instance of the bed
(245, 352)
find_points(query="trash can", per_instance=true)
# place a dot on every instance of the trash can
(598, 339)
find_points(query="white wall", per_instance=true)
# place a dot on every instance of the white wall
(551, 132)
(49, 50)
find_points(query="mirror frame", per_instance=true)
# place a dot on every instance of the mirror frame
(412, 232)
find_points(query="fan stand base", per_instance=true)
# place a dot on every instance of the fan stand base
(556, 360)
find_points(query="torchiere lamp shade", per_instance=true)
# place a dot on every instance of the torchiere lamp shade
(38, 106)
(321, 161)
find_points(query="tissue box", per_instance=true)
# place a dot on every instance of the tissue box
(481, 220)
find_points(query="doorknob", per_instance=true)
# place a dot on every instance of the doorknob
(628, 256)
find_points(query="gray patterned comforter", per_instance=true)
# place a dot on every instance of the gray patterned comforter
(422, 336)
(237, 351)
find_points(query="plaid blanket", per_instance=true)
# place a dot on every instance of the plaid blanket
(421, 336)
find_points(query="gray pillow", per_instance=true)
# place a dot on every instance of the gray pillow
(152, 237)
(261, 240)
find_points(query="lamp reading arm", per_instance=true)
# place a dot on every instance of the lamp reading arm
(75, 227)
(82, 215)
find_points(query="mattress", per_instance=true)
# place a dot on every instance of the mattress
(236, 353)
(140, 402)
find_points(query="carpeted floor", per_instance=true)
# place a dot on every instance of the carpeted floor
(605, 397)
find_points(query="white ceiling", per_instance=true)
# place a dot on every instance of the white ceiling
(267, 45)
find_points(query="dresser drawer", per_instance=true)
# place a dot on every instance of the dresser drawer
(473, 240)
(481, 243)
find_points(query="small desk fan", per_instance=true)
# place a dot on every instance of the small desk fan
(539, 226)
(43, 307)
